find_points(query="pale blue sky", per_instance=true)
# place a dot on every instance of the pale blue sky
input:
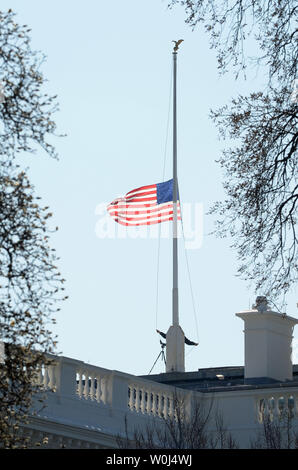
(110, 64)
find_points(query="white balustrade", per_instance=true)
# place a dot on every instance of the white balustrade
(102, 398)
(46, 377)
(95, 384)
(276, 406)
(92, 385)
(151, 400)
(140, 396)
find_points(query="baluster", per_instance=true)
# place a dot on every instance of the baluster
(98, 389)
(260, 403)
(92, 388)
(266, 407)
(159, 411)
(45, 377)
(104, 389)
(165, 407)
(271, 408)
(137, 402)
(291, 405)
(55, 376)
(154, 404)
(40, 377)
(51, 376)
(276, 407)
(281, 405)
(143, 400)
(171, 407)
(131, 397)
(80, 384)
(86, 388)
(286, 404)
(149, 403)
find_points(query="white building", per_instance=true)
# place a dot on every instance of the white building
(86, 405)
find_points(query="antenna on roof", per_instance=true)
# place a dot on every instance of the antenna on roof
(162, 354)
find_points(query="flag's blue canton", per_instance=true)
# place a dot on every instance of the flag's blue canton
(164, 191)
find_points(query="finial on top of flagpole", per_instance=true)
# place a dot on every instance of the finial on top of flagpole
(177, 44)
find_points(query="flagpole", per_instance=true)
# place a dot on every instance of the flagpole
(175, 303)
(175, 337)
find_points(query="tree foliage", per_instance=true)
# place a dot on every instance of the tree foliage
(260, 170)
(261, 183)
(277, 432)
(30, 282)
(235, 25)
(26, 111)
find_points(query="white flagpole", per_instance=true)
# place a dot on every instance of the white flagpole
(175, 336)
(175, 303)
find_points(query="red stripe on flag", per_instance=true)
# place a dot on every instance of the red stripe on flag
(136, 212)
(152, 222)
(136, 219)
(145, 193)
(141, 188)
(137, 199)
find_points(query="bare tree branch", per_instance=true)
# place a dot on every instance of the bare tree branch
(260, 210)
(30, 282)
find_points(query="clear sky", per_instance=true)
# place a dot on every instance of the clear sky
(110, 64)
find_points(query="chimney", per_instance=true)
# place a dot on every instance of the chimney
(268, 343)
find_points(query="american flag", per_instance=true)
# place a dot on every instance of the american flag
(146, 205)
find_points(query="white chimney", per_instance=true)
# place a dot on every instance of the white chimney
(268, 342)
